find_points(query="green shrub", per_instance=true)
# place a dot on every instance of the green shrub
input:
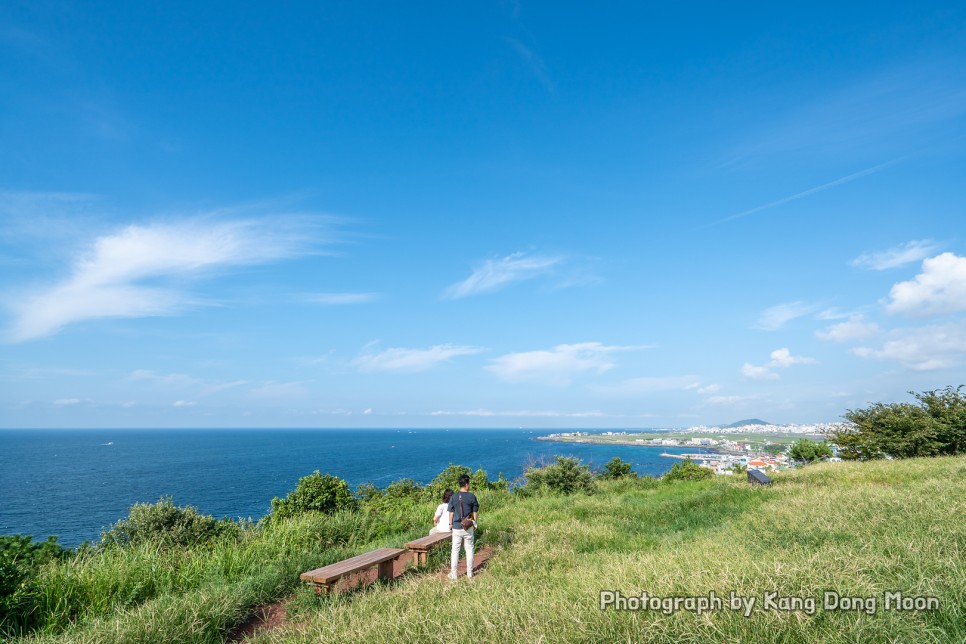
(687, 470)
(20, 560)
(616, 468)
(566, 475)
(935, 426)
(809, 451)
(314, 493)
(165, 524)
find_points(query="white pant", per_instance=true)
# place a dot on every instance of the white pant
(466, 539)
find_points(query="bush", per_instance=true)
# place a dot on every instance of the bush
(687, 470)
(314, 493)
(616, 468)
(20, 560)
(165, 524)
(565, 475)
(809, 451)
(935, 426)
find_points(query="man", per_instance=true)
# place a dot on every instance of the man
(462, 504)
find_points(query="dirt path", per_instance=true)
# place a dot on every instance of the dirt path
(273, 616)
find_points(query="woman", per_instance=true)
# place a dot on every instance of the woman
(441, 516)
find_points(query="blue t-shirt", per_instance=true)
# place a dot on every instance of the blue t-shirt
(463, 507)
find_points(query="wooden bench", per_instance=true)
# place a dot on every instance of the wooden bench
(327, 576)
(422, 546)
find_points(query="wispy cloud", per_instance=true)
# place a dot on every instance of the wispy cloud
(523, 413)
(495, 274)
(648, 384)
(337, 299)
(806, 193)
(411, 360)
(117, 275)
(939, 289)
(911, 251)
(780, 359)
(65, 402)
(855, 328)
(557, 366)
(775, 317)
(922, 349)
(533, 62)
(201, 387)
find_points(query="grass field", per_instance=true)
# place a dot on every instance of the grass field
(860, 529)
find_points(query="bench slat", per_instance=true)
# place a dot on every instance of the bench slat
(430, 541)
(333, 572)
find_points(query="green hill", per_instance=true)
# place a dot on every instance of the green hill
(745, 423)
(861, 530)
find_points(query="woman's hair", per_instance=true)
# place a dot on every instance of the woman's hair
(447, 495)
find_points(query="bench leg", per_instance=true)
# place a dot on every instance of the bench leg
(319, 587)
(385, 570)
(424, 557)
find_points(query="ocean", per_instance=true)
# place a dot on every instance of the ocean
(74, 483)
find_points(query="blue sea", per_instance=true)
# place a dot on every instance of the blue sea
(74, 483)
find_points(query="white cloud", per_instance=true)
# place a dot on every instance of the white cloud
(336, 299)
(710, 389)
(64, 402)
(486, 413)
(855, 328)
(911, 251)
(758, 373)
(940, 288)
(183, 381)
(783, 359)
(117, 275)
(558, 365)
(922, 349)
(495, 274)
(278, 391)
(780, 359)
(727, 400)
(774, 318)
(411, 360)
(649, 384)
(183, 403)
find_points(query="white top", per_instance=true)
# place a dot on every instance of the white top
(442, 513)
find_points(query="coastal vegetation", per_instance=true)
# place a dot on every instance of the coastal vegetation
(860, 529)
(934, 425)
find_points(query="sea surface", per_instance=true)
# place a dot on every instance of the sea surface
(74, 483)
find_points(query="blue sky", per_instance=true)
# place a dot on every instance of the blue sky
(497, 214)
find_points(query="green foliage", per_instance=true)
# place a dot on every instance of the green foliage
(447, 479)
(165, 524)
(809, 451)
(20, 560)
(935, 426)
(616, 468)
(774, 449)
(687, 470)
(314, 493)
(565, 475)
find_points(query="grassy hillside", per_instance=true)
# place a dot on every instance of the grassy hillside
(861, 529)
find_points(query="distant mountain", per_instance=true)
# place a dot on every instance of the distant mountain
(742, 423)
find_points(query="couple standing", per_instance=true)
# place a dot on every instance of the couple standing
(450, 514)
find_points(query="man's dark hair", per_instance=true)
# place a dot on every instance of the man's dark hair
(447, 495)
(464, 480)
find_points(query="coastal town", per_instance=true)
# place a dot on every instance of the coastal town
(724, 450)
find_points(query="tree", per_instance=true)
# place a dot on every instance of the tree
(687, 470)
(565, 475)
(935, 426)
(809, 451)
(314, 493)
(775, 449)
(616, 468)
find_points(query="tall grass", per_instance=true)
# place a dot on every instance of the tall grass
(859, 529)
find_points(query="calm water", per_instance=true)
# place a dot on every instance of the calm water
(73, 483)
